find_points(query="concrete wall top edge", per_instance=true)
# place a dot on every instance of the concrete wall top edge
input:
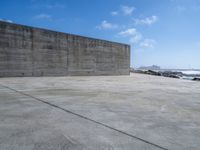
(80, 36)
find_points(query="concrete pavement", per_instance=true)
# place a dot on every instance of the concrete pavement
(106, 112)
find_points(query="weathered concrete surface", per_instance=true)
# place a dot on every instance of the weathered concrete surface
(29, 51)
(110, 113)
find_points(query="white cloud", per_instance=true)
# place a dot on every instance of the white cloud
(107, 25)
(127, 10)
(128, 32)
(146, 21)
(180, 9)
(43, 17)
(114, 13)
(148, 43)
(136, 38)
(51, 6)
(47, 4)
(133, 34)
(6, 20)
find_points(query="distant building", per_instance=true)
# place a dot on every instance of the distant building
(153, 67)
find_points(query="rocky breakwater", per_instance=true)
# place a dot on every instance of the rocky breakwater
(170, 74)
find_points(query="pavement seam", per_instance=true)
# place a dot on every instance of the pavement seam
(86, 118)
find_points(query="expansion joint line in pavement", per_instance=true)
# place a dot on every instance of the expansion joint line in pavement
(86, 118)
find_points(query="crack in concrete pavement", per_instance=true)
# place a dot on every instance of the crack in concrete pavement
(86, 118)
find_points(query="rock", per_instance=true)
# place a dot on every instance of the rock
(151, 72)
(196, 79)
(171, 74)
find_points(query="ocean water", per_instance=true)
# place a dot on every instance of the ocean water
(187, 77)
(191, 72)
(188, 74)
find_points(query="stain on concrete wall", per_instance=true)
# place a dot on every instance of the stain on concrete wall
(29, 51)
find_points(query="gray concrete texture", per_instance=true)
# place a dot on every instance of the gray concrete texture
(29, 51)
(137, 112)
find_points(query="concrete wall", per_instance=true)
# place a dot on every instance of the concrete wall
(28, 51)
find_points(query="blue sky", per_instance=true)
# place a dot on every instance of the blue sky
(160, 32)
